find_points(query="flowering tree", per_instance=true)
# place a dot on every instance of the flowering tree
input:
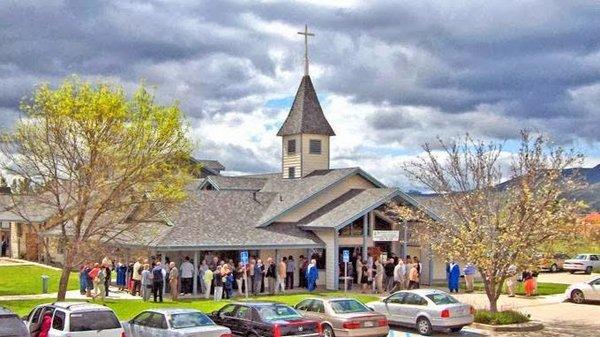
(92, 155)
(495, 215)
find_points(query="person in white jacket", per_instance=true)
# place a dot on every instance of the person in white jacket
(399, 276)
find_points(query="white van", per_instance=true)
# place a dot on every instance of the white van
(75, 319)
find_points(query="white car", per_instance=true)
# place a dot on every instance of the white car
(426, 310)
(75, 319)
(582, 262)
(174, 323)
(584, 291)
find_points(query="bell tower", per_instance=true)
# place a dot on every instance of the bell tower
(305, 132)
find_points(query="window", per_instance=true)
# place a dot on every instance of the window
(58, 322)
(291, 146)
(227, 310)
(348, 306)
(304, 305)
(278, 312)
(34, 316)
(317, 306)
(244, 313)
(441, 298)
(414, 299)
(189, 320)
(12, 326)
(142, 319)
(314, 146)
(158, 321)
(593, 258)
(397, 298)
(94, 320)
(291, 172)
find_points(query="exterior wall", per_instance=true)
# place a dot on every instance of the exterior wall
(291, 160)
(311, 162)
(56, 255)
(342, 187)
(19, 243)
(331, 257)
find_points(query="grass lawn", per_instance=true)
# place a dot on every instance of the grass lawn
(543, 288)
(27, 280)
(127, 309)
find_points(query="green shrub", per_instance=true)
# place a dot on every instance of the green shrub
(501, 317)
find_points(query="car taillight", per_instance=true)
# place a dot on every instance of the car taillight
(226, 335)
(472, 310)
(276, 330)
(123, 334)
(319, 328)
(351, 325)
(445, 313)
(382, 322)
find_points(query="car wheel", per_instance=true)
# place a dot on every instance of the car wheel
(553, 268)
(457, 329)
(588, 270)
(424, 326)
(328, 331)
(577, 296)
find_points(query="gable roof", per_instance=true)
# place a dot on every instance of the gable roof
(210, 164)
(292, 193)
(348, 207)
(234, 183)
(226, 219)
(306, 115)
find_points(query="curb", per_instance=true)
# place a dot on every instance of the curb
(524, 327)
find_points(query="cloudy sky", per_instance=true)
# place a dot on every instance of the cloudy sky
(390, 75)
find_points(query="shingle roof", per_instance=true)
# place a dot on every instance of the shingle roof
(292, 192)
(306, 115)
(210, 164)
(348, 207)
(219, 219)
(236, 183)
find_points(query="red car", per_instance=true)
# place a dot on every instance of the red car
(265, 319)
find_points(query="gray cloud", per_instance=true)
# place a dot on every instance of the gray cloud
(488, 68)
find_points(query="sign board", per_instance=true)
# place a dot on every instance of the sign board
(381, 235)
(346, 255)
(244, 257)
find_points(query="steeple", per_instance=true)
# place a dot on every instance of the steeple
(305, 132)
(306, 115)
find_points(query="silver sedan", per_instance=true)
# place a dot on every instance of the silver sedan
(173, 323)
(426, 310)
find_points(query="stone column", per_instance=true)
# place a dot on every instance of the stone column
(195, 280)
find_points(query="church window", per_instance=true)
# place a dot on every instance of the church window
(315, 146)
(291, 172)
(291, 146)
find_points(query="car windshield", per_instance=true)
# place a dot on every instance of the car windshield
(277, 312)
(189, 320)
(348, 306)
(12, 326)
(581, 257)
(440, 298)
(94, 320)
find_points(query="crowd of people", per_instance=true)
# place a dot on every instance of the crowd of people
(217, 278)
(376, 276)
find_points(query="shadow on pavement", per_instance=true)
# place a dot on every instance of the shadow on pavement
(401, 331)
(561, 328)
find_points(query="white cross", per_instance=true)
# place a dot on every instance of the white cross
(306, 35)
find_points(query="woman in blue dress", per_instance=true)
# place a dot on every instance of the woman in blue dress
(312, 274)
(121, 276)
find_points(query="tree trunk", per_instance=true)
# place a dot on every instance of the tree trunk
(64, 276)
(490, 291)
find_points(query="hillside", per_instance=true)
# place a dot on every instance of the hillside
(590, 193)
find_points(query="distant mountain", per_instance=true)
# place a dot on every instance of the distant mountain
(590, 193)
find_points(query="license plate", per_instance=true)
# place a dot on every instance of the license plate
(369, 324)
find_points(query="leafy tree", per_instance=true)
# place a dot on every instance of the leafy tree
(496, 215)
(92, 155)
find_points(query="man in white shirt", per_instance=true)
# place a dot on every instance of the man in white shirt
(399, 275)
(187, 275)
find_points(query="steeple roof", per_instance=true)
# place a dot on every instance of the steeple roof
(306, 115)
